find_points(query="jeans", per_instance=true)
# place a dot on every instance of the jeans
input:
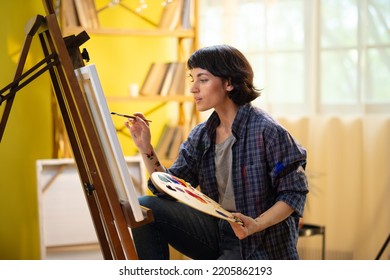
(191, 232)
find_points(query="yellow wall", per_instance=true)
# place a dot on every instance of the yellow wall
(119, 60)
(26, 138)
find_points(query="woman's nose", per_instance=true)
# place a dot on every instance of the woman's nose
(193, 87)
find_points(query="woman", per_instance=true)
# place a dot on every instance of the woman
(240, 157)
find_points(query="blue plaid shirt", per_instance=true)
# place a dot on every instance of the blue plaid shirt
(268, 166)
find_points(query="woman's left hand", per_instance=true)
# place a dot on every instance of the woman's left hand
(249, 226)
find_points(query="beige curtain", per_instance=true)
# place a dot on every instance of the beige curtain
(349, 176)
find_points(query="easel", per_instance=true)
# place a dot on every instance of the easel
(111, 217)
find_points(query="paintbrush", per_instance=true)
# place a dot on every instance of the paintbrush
(127, 116)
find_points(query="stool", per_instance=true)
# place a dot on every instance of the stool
(311, 230)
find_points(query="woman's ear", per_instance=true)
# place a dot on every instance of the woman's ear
(228, 85)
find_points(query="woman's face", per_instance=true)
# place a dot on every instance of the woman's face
(209, 91)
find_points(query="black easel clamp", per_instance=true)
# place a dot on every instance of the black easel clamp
(85, 55)
(89, 188)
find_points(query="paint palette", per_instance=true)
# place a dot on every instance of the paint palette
(185, 193)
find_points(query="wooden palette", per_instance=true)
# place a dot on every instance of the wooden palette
(185, 193)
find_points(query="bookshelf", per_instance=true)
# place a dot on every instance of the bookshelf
(85, 15)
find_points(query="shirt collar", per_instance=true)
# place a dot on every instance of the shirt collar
(238, 125)
(241, 119)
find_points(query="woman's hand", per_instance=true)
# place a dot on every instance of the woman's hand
(277, 213)
(140, 132)
(249, 227)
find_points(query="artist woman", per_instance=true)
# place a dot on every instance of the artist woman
(240, 157)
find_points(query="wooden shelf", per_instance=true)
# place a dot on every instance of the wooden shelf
(173, 98)
(179, 33)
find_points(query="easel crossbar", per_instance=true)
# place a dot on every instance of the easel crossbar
(50, 61)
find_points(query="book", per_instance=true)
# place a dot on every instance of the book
(92, 14)
(167, 83)
(182, 191)
(171, 15)
(185, 15)
(71, 18)
(81, 13)
(178, 81)
(177, 139)
(165, 141)
(86, 13)
(154, 79)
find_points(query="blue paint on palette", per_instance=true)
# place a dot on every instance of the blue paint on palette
(164, 179)
(167, 179)
(222, 214)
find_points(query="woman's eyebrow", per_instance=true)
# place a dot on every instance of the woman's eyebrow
(198, 75)
(201, 74)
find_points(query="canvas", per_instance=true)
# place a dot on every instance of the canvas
(89, 81)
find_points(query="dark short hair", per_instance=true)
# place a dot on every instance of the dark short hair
(228, 63)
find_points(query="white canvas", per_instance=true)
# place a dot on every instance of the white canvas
(89, 80)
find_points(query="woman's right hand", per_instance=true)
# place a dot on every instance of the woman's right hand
(140, 132)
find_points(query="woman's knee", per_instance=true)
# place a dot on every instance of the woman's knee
(147, 200)
(156, 204)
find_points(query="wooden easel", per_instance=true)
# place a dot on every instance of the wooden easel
(111, 217)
